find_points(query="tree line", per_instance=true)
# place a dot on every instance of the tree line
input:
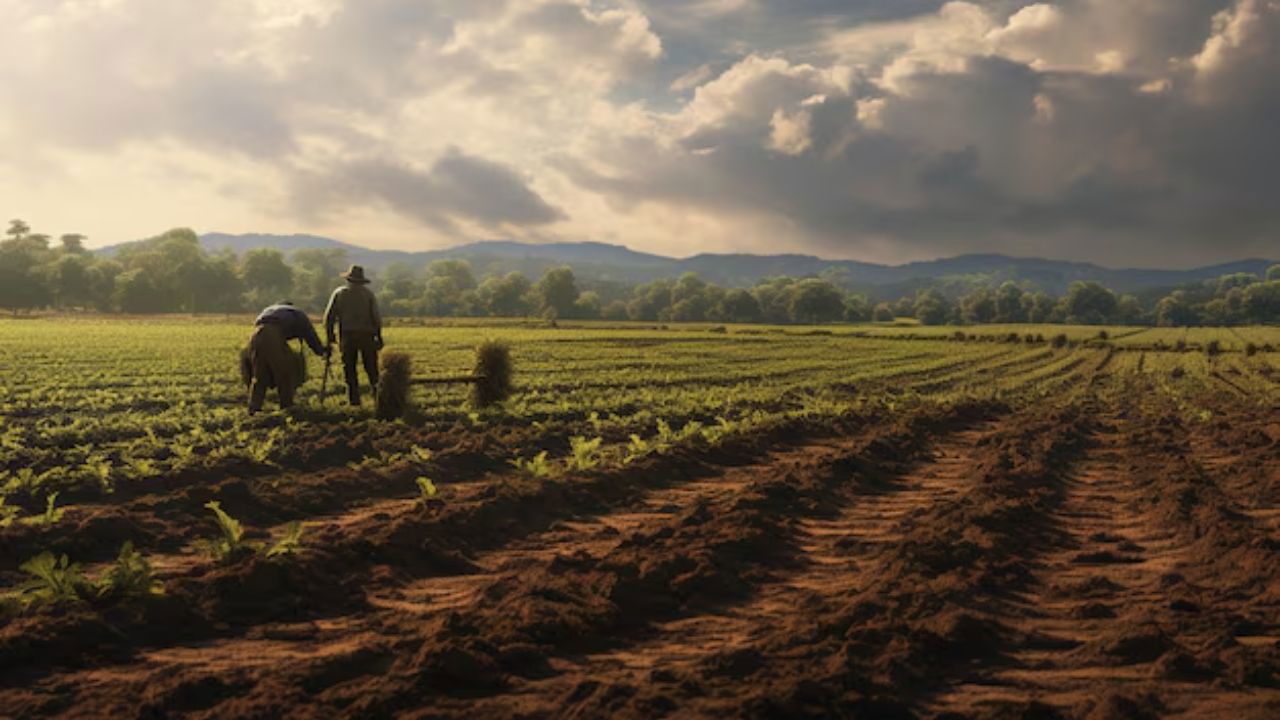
(173, 273)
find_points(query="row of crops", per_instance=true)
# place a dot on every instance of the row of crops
(90, 404)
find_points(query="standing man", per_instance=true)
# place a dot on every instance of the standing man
(355, 310)
(273, 363)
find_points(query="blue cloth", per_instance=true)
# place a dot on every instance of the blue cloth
(293, 323)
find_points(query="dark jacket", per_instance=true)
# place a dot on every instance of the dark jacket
(293, 323)
(354, 309)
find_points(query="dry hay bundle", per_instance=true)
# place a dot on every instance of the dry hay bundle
(490, 382)
(493, 373)
(393, 385)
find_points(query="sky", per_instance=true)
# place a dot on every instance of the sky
(1122, 132)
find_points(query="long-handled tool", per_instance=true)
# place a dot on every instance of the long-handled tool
(324, 383)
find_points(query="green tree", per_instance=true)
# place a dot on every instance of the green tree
(979, 306)
(315, 276)
(267, 279)
(738, 306)
(650, 302)
(68, 278)
(1262, 302)
(557, 292)
(587, 306)
(1175, 311)
(22, 287)
(857, 309)
(1129, 310)
(136, 291)
(932, 307)
(1273, 273)
(883, 313)
(1009, 305)
(815, 301)
(506, 296)
(1089, 303)
(1038, 307)
(73, 243)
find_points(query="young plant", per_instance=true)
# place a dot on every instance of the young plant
(8, 513)
(290, 543)
(230, 544)
(584, 453)
(51, 515)
(129, 577)
(53, 580)
(636, 449)
(426, 489)
(535, 467)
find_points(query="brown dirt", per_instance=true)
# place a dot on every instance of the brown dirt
(941, 562)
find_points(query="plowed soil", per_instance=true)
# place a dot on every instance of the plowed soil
(967, 560)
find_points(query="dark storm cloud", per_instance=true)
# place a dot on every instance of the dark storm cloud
(999, 154)
(458, 187)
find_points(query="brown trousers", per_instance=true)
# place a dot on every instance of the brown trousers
(359, 346)
(272, 367)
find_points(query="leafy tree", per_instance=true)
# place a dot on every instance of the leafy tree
(68, 277)
(857, 309)
(1089, 303)
(1129, 310)
(1175, 311)
(21, 286)
(73, 243)
(315, 276)
(616, 310)
(1009, 305)
(505, 296)
(979, 306)
(557, 292)
(1234, 280)
(932, 307)
(905, 307)
(1038, 307)
(883, 313)
(266, 277)
(457, 272)
(587, 306)
(650, 301)
(136, 291)
(17, 229)
(816, 301)
(1262, 302)
(738, 306)
(1273, 273)
(687, 287)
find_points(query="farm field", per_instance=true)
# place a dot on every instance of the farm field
(689, 521)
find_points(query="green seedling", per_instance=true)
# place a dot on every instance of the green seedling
(535, 467)
(289, 544)
(231, 543)
(584, 453)
(426, 489)
(51, 515)
(53, 580)
(129, 577)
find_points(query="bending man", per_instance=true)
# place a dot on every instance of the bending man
(273, 364)
(355, 311)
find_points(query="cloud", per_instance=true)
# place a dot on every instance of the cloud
(457, 189)
(1125, 132)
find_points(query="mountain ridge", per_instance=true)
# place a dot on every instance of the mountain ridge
(597, 262)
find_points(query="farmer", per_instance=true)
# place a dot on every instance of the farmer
(273, 363)
(355, 310)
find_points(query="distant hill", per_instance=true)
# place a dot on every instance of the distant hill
(601, 262)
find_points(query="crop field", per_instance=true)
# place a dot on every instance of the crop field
(685, 521)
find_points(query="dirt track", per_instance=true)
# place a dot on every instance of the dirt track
(953, 562)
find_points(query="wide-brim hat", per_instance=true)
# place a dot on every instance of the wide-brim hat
(356, 275)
